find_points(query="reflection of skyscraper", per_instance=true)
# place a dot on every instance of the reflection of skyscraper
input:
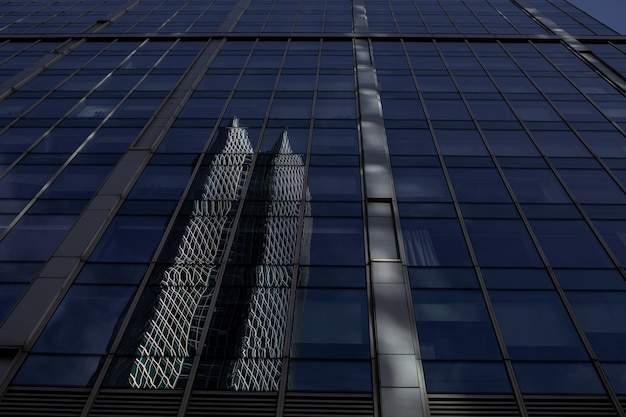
(266, 320)
(187, 285)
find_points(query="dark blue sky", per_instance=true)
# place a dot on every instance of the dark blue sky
(610, 12)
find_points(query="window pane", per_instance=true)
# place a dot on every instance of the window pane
(331, 324)
(557, 378)
(85, 320)
(420, 184)
(327, 376)
(535, 326)
(434, 243)
(334, 241)
(466, 377)
(569, 243)
(130, 239)
(536, 186)
(454, 325)
(502, 243)
(601, 315)
(478, 185)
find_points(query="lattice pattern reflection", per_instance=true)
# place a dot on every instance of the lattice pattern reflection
(187, 286)
(266, 322)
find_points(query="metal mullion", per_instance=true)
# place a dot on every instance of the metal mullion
(397, 227)
(369, 285)
(481, 282)
(293, 290)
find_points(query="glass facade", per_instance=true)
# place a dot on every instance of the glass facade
(375, 207)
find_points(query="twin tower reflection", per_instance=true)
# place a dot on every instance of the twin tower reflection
(223, 295)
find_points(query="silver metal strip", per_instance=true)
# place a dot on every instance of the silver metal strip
(400, 373)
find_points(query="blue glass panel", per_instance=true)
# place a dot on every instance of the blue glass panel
(111, 140)
(517, 278)
(502, 243)
(536, 186)
(282, 108)
(9, 294)
(557, 378)
(460, 142)
(560, 143)
(592, 186)
(335, 109)
(35, 237)
(327, 376)
(442, 278)
(335, 141)
(94, 273)
(333, 241)
(615, 372)
(161, 182)
(330, 324)
(478, 185)
(614, 233)
(19, 139)
(454, 325)
(410, 142)
(57, 370)
(130, 239)
(24, 181)
(490, 110)
(63, 140)
(590, 279)
(434, 242)
(570, 243)
(333, 183)
(339, 277)
(19, 271)
(85, 320)
(466, 377)
(420, 184)
(601, 314)
(78, 181)
(535, 326)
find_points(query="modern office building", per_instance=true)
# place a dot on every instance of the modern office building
(293, 208)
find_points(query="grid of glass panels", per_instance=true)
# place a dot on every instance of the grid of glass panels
(283, 248)
(570, 18)
(613, 54)
(490, 228)
(48, 16)
(158, 16)
(64, 131)
(507, 160)
(449, 17)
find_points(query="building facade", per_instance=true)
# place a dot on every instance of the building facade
(326, 208)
